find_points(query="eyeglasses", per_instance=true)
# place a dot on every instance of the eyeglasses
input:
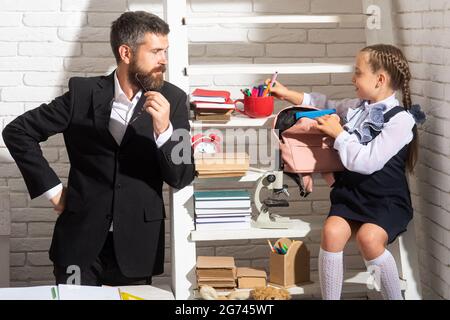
(139, 112)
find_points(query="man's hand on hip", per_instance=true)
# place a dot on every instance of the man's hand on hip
(59, 201)
(159, 108)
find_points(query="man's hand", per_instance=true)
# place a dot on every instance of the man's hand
(59, 201)
(330, 125)
(159, 108)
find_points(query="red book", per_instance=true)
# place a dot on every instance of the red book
(206, 95)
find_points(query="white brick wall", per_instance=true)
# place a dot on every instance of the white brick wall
(42, 46)
(44, 43)
(423, 33)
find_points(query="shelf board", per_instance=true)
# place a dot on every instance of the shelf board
(281, 68)
(264, 19)
(237, 120)
(354, 282)
(301, 229)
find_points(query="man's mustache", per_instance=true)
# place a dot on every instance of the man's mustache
(159, 69)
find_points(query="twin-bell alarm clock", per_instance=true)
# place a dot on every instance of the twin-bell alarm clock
(206, 144)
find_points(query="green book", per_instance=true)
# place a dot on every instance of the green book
(221, 195)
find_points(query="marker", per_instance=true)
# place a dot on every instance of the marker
(260, 90)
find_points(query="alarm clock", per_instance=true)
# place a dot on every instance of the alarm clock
(206, 144)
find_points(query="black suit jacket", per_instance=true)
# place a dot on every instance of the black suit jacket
(106, 181)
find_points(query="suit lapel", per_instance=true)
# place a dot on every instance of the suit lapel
(102, 103)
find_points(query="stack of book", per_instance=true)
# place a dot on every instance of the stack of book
(212, 105)
(221, 165)
(222, 210)
(217, 272)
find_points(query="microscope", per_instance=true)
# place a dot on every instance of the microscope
(273, 180)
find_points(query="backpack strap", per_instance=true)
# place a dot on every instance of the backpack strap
(388, 115)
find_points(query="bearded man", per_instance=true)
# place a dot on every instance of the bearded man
(118, 131)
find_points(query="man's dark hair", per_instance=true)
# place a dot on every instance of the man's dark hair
(131, 27)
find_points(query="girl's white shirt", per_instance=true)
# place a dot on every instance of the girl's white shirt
(369, 158)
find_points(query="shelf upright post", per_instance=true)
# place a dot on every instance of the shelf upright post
(183, 252)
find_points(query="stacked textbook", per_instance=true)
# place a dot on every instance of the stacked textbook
(212, 105)
(222, 210)
(217, 272)
(221, 165)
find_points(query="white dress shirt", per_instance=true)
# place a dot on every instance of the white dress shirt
(357, 157)
(121, 113)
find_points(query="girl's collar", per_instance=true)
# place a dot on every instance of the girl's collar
(389, 102)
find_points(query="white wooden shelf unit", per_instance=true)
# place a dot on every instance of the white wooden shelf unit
(183, 234)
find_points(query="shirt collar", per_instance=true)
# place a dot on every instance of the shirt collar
(120, 96)
(389, 102)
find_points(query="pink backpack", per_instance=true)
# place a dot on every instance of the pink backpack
(305, 149)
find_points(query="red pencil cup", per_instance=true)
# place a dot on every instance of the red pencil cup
(256, 107)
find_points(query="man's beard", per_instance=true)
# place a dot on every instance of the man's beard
(149, 81)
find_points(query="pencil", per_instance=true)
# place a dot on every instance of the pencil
(274, 77)
(271, 248)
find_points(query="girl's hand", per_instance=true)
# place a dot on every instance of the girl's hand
(279, 91)
(283, 93)
(330, 125)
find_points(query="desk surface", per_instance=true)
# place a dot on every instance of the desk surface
(155, 292)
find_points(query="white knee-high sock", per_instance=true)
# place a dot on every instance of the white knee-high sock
(387, 268)
(331, 274)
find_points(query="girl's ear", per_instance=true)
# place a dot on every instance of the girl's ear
(382, 79)
(125, 53)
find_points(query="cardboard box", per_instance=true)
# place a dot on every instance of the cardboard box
(292, 268)
(249, 278)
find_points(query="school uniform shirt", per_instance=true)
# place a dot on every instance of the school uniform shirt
(357, 157)
(374, 150)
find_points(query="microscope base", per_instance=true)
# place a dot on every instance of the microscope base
(272, 221)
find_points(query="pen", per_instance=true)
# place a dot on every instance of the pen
(274, 77)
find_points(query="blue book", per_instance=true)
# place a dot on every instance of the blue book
(221, 195)
(313, 114)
